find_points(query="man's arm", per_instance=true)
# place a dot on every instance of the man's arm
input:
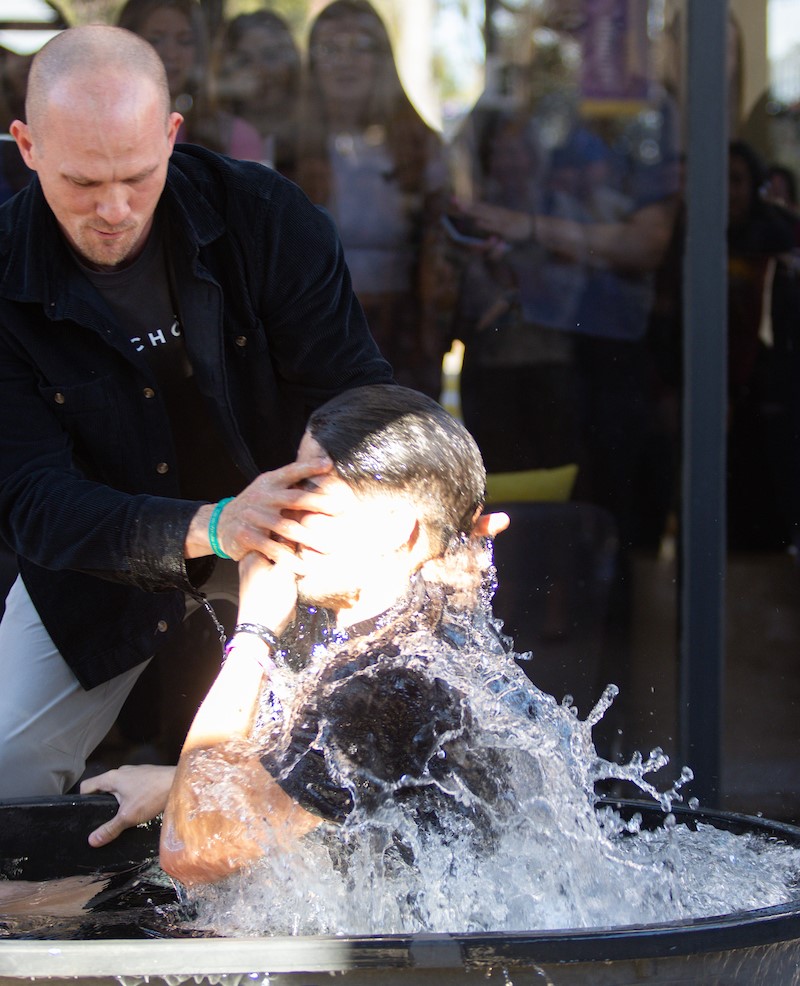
(140, 789)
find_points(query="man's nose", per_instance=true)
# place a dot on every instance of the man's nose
(112, 205)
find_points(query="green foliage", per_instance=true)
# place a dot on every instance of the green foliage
(77, 12)
(294, 12)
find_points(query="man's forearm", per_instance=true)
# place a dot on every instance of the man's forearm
(197, 542)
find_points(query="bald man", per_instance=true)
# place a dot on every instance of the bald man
(168, 320)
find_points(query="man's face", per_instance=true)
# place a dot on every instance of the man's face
(102, 163)
(360, 537)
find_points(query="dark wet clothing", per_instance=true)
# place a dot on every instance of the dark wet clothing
(382, 722)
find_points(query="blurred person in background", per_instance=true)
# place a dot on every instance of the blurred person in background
(781, 189)
(259, 81)
(177, 31)
(584, 241)
(368, 156)
(760, 233)
(14, 68)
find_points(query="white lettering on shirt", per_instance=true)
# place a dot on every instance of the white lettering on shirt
(158, 337)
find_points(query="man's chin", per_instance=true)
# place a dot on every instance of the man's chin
(107, 255)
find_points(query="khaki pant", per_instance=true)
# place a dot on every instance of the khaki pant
(49, 724)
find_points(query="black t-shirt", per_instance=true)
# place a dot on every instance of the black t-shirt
(140, 299)
(379, 724)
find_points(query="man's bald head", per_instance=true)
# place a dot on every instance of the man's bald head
(99, 136)
(93, 54)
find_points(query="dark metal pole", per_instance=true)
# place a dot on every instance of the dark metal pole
(489, 33)
(214, 15)
(703, 540)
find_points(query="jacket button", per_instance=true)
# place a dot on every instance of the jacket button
(240, 341)
(59, 398)
(162, 626)
(149, 392)
(162, 467)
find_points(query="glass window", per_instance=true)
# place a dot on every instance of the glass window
(508, 178)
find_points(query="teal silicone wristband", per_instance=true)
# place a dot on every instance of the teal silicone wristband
(213, 520)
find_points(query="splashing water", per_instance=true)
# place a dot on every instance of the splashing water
(501, 829)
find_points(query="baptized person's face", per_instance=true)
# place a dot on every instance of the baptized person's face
(358, 533)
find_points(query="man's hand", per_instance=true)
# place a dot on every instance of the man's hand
(262, 512)
(141, 791)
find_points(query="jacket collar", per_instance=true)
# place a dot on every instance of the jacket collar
(34, 274)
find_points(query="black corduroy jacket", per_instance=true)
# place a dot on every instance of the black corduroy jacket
(89, 490)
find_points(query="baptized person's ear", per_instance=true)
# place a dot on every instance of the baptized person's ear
(404, 527)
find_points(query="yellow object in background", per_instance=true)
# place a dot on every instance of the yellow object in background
(553, 485)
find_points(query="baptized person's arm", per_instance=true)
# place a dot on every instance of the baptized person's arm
(224, 809)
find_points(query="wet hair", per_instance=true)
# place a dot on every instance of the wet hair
(385, 438)
(94, 49)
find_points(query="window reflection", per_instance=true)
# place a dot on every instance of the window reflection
(565, 180)
(572, 158)
(176, 29)
(259, 81)
(369, 157)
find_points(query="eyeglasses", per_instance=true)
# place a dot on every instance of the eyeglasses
(343, 48)
(276, 55)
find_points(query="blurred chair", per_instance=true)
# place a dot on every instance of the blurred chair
(555, 567)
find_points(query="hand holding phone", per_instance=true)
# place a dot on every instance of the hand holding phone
(464, 231)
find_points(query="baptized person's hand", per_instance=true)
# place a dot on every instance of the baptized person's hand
(267, 589)
(490, 525)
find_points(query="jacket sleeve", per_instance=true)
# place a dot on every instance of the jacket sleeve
(52, 513)
(318, 332)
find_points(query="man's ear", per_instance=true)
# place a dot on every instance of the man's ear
(22, 135)
(173, 126)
